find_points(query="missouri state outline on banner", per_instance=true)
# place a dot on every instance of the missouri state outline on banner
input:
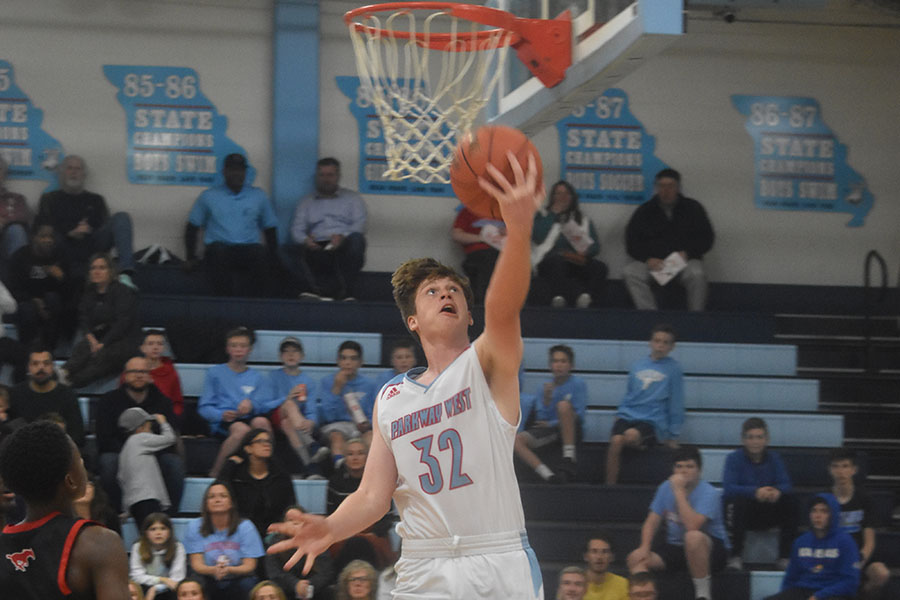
(799, 164)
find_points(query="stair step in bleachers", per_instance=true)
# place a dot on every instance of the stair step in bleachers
(736, 393)
(695, 357)
(722, 429)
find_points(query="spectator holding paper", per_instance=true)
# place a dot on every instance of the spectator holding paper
(667, 237)
(565, 250)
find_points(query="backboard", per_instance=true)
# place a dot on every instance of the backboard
(611, 39)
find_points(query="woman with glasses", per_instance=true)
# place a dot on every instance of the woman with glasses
(262, 489)
(358, 581)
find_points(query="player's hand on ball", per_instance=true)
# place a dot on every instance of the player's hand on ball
(519, 199)
(309, 534)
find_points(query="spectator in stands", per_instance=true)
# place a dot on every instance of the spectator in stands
(83, 224)
(346, 478)
(566, 250)
(39, 278)
(162, 368)
(294, 582)
(263, 491)
(108, 319)
(859, 518)
(328, 246)
(138, 391)
(232, 216)
(667, 223)
(347, 399)
(143, 489)
(757, 492)
(601, 583)
(94, 505)
(134, 591)
(222, 548)
(403, 358)
(190, 588)
(229, 394)
(7, 503)
(695, 532)
(7, 424)
(290, 395)
(42, 394)
(12, 352)
(357, 581)
(557, 413)
(15, 219)
(823, 562)
(642, 586)
(572, 584)
(481, 240)
(158, 561)
(266, 590)
(653, 407)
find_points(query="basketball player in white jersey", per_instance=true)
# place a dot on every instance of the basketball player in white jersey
(444, 441)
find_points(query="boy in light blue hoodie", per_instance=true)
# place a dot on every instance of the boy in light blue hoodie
(824, 561)
(653, 407)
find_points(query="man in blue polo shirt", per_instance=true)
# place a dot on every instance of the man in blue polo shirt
(328, 246)
(232, 216)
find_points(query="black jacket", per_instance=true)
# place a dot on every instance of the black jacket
(263, 501)
(651, 234)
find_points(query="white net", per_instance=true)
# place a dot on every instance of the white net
(427, 77)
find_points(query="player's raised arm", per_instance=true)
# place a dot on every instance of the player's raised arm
(313, 534)
(500, 346)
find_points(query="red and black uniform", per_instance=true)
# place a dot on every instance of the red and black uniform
(34, 557)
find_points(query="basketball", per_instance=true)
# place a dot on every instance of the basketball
(489, 144)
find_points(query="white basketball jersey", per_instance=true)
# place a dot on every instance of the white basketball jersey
(454, 454)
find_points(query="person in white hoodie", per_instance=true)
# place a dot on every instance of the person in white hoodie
(143, 488)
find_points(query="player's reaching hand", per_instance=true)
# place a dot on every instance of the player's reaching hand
(519, 199)
(309, 534)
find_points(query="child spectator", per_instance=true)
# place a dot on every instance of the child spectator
(292, 394)
(158, 561)
(642, 586)
(858, 518)
(653, 407)
(190, 589)
(262, 489)
(267, 590)
(227, 400)
(757, 491)
(162, 368)
(347, 399)
(695, 533)
(403, 358)
(222, 548)
(823, 562)
(572, 584)
(143, 489)
(134, 591)
(601, 583)
(557, 412)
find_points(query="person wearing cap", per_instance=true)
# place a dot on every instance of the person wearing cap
(328, 245)
(143, 489)
(136, 390)
(290, 395)
(82, 222)
(232, 216)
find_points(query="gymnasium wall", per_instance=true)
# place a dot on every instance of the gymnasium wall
(682, 98)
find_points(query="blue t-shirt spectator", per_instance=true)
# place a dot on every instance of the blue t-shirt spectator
(231, 218)
(704, 499)
(333, 407)
(279, 384)
(574, 389)
(223, 389)
(243, 543)
(655, 394)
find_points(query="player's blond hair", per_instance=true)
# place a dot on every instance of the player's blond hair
(411, 274)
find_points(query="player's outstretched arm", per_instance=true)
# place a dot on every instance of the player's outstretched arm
(98, 565)
(500, 346)
(311, 535)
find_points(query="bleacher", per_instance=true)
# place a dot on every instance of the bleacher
(725, 383)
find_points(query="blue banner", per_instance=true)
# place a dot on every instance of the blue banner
(30, 152)
(175, 134)
(372, 158)
(606, 154)
(799, 163)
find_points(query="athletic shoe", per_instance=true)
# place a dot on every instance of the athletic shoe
(309, 296)
(568, 470)
(125, 278)
(735, 563)
(583, 300)
(558, 302)
(782, 564)
(321, 454)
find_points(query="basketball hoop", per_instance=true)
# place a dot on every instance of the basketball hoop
(429, 68)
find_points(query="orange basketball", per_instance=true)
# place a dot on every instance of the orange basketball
(489, 145)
